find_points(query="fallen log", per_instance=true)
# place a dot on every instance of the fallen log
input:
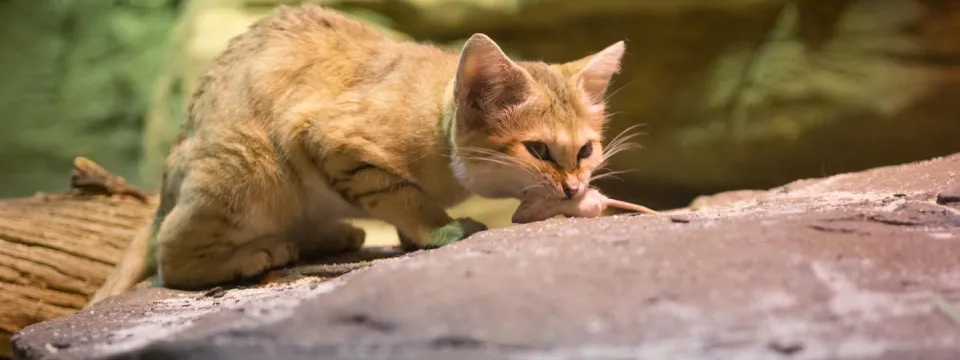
(57, 249)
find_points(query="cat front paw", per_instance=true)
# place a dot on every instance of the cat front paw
(471, 226)
(455, 231)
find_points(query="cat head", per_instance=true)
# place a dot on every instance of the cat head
(524, 128)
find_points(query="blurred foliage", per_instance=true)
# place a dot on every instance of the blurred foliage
(75, 78)
(752, 85)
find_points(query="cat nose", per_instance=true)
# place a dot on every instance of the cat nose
(570, 189)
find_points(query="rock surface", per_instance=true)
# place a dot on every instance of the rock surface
(854, 266)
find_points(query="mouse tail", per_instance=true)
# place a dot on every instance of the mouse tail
(631, 206)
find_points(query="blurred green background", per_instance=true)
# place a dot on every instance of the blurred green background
(733, 94)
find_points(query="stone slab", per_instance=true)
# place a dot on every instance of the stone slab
(855, 266)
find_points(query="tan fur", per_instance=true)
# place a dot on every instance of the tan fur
(310, 117)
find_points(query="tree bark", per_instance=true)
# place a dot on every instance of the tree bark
(57, 249)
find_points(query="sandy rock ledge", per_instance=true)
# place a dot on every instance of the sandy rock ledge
(855, 266)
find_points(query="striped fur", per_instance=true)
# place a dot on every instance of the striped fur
(310, 117)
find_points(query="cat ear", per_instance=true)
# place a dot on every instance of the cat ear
(594, 72)
(487, 80)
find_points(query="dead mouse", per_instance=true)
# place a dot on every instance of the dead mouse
(590, 204)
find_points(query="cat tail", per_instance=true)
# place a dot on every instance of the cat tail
(136, 265)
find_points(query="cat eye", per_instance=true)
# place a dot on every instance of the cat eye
(585, 151)
(538, 149)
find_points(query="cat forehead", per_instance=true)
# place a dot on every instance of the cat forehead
(551, 81)
(565, 136)
(557, 99)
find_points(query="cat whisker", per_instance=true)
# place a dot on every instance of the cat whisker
(531, 170)
(540, 184)
(612, 174)
(489, 159)
(610, 115)
(621, 143)
(610, 94)
(625, 135)
(478, 158)
(508, 164)
(611, 171)
(607, 155)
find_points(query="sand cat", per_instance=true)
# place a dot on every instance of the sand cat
(310, 117)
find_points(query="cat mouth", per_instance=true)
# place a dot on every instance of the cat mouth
(542, 192)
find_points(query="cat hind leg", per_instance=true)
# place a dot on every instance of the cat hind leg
(196, 250)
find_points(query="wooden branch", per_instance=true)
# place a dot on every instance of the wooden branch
(57, 249)
(88, 178)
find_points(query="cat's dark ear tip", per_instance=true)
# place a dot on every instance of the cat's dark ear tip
(480, 39)
(482, 45)
(616, 50)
